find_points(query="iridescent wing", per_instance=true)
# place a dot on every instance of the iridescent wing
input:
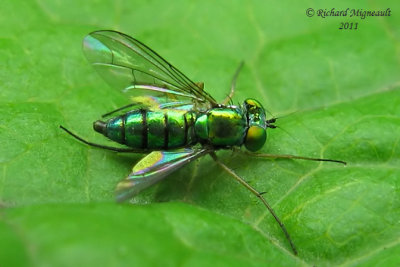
(129, 65)
(154, 167)
(160, 103)
(152, 103)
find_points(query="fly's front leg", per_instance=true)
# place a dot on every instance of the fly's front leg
(257, 194)
(233, 84)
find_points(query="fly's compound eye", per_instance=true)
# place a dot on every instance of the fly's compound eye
(255, 138)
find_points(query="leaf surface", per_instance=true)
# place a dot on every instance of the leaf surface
(337, 93)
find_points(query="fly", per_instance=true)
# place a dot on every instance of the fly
(171, 118)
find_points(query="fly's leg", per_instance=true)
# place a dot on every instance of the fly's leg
(275, 156)
(200, 85)
(233, 84)
(118, 109)
(116, 149)
(257, 194)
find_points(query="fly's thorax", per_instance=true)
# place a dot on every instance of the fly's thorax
(146, 129)
(221, 127)
(256, 134)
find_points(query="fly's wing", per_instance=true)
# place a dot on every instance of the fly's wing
(129, 65)
(153, 102)
(154, 167)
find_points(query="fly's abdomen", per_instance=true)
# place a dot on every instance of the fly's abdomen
(161, 129)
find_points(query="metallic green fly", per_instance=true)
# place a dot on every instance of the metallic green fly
(170, 117)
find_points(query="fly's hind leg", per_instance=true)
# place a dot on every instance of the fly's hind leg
(257, 194)
(119, 109)
(116, 149)
(233, 84)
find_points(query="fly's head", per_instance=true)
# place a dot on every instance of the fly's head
(257, 125)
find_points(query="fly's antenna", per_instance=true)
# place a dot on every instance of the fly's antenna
(269, 124)
(289, 134)
(287, 115)
(280, 117)
(272, 115)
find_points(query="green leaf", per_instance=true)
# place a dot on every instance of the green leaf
(110, 234)
(337, 93)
